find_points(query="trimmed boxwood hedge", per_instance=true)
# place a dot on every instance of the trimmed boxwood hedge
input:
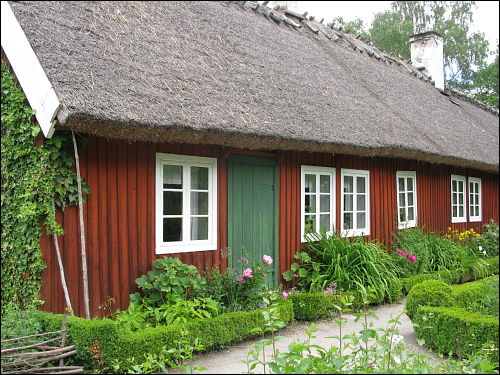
(428, 293)
(115, 343)
(471, 293)
(314, 306)
(452, 277)
(455, 330)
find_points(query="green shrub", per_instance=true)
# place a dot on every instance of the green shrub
(354, 265)
(17, 323)
(170, 279)
(454, 330)
(313, 306)
(99, 341)
(480, 296)
(489, 239)
(480, 269)
(176, 311)
(428, 293)
(492, 265)
(233, 289)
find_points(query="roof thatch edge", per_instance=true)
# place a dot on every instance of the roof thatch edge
(179, 133)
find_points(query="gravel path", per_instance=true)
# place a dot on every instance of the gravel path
(226, 361)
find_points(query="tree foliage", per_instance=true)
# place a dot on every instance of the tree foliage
(464, 50)
(484, 83)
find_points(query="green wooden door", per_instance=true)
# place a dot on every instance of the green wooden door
(253, 211)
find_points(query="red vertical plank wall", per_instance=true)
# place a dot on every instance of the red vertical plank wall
(120, 221)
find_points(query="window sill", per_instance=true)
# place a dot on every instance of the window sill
(185, 248)
(407, 224)
(355, 233)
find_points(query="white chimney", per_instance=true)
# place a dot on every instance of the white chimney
(427, 55)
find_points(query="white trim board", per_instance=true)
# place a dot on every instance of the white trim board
(29, 71)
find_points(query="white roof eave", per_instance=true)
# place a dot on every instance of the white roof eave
(29, 72)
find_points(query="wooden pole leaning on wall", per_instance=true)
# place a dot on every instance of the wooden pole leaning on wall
(82, 231)
(61, 268)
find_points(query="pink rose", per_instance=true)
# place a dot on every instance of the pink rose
(401, 252)
(412, 259)
(247, 273)
(494, 234)
(285, 295)
(240, 280)
(267, 259)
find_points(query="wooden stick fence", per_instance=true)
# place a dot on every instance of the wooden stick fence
(27, 355)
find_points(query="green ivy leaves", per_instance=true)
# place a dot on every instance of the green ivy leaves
(32, 179)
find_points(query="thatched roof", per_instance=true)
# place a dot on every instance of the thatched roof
(241, 75)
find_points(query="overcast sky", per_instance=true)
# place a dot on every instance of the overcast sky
(485, 16)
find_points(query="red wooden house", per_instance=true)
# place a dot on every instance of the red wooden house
(222, 128)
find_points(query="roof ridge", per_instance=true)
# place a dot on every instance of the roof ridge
(281, 15)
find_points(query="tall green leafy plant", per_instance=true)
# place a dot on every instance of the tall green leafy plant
(354, 265)
(32, 179)
(432, 252)
(169, 280)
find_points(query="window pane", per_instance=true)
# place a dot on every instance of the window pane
(361, 202)
(460, 211)
(199, 178)
(454, 198)
(410, 199)
(409, 184)
(310, 203)
(402, 215)
(454, 211)
(324, 182)
(310, 183)
(172, 203)
(172, 229)
(361, 220)
(347, 220)
(324, 203)
(477, 199)
(199, 203)
(310, 223)
(411, 213)
(460, 186)
(324, 222)
(401, 183)
(460, 198)
(360, 184)
(347, 202)
(172, 176)
(348, 184)
(471, 188)
(454, 185)
(199, 228)
(402, 200)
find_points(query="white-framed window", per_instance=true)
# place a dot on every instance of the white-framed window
(406, 186)
(317, 199)
(355, 204)
(186, 203)
(458, 214)
(475, 211)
